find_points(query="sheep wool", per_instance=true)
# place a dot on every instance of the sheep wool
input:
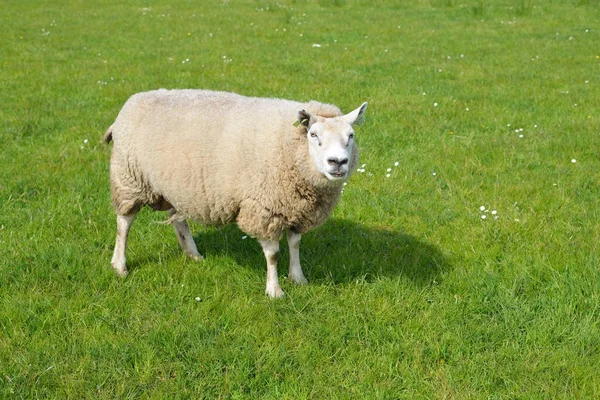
(218, 157)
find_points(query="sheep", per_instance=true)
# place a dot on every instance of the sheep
(271, 165)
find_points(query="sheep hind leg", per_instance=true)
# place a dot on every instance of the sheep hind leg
(296, 275)
(119, 261)
(271, 249)
(185, 238)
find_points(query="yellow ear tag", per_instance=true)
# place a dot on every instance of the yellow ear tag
(299, 122)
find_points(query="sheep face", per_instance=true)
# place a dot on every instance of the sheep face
(330, 147)
(331, 142)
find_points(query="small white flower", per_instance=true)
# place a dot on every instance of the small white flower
(573, 161)
(483, 217)
(435, 104)
(396, 164)
(244, 237)
(85, 141)
(521, 136)
(387, 175)
(434, 174)
(364, 165)
(316, 45)
(198, 299)
(494, 212)
(482, 208)
(467, 109)
(389, 169)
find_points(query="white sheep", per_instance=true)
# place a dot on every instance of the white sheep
(220, 157)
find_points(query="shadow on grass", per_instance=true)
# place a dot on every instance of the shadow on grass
(340, 251)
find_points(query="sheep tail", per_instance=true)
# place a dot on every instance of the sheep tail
(108, 135)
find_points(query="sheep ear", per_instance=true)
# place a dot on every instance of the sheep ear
(304, 118)
(356, 116)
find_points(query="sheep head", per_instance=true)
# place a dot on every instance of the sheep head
(331, 142)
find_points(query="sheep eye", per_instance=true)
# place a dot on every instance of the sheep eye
(313, 134)
(351, 136)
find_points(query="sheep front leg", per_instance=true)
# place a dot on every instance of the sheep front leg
(271, 249)
(119, 261)
(296, 275)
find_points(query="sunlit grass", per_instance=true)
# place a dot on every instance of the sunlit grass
(412, 293)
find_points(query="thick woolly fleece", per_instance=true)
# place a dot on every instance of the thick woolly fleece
(219, 157)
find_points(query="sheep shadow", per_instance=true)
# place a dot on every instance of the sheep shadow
(339, 252)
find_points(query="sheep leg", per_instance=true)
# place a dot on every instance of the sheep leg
(296, 274)
(186, 241)
(119, 260)
(271, 249)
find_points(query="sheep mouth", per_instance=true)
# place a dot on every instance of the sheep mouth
(336, 175)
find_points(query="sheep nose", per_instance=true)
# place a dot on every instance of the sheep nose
(336, 162)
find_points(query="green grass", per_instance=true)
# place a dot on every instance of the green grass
(413, 295)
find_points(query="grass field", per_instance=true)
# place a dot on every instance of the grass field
(490, 109)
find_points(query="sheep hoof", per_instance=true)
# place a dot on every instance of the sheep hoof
(196, 257)
(275, 292)
(299, 280)
(121, 270)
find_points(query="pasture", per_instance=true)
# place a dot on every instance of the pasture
(461, 263)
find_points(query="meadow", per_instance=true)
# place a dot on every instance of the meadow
(461, 263)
